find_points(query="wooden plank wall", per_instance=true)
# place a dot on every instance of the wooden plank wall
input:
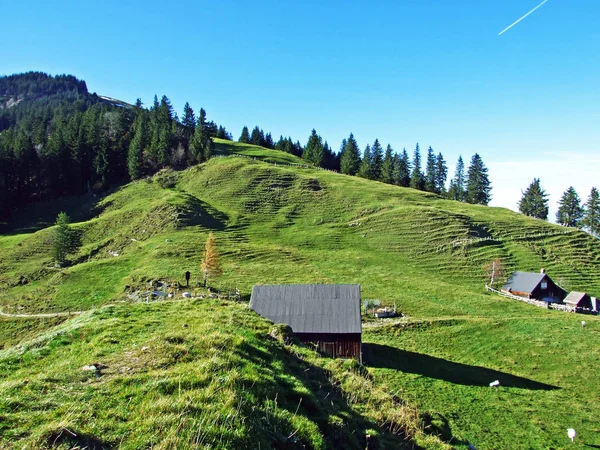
(338, 346)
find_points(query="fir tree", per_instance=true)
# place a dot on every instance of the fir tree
(457, 184)
(269, 141)
(350, 158)
(478, 184)
(366, 163)
(570, 212)
(534, 202)
(65, 239)
(377, 155)
(331, 161)
(189, 119)
(245, 136)
(387, 167)
(200, 145)
(402, 177)
(591, 215)
(314, 150)
(256, 138)
(222, 133)
(430, 172)
(417, 180)
(441, 173)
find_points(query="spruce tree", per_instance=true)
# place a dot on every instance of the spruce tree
(256, 138)
(314, 150)
(441, 174)
(478, 183)
(430, 172)
(269, 141)
(591, 215)
(331, 161)
(350, 159)
(201, 146)
(366, 163)
(280, 145)
(457, 184)
(417, 180)
(534, 202)
(377, 155)
(245, 136)
(189, 119)
(402, 177)
(570, 212)
(387, 167)
(65, 239)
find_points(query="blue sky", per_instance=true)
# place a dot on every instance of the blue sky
(405, 71)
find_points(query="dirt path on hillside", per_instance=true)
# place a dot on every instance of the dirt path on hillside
(41, 315)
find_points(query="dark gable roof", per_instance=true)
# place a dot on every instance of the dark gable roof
(310, 308)
(574, 298)
(523, 281)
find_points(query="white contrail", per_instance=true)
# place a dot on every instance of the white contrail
(513, 24)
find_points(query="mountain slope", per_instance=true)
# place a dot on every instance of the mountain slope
(277, 221)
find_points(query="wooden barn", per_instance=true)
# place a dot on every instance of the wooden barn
(580, 301)
(327, 315)
(538, 286)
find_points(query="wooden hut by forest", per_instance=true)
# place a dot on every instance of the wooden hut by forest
(538, 286)
(327, 315)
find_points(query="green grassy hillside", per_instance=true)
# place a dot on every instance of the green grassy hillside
(278, 221)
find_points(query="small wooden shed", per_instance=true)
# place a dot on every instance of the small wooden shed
(327, 315)
(580, 301)
(538, 286)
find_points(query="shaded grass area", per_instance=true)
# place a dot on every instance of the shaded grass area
(545, 368)
(184, 374)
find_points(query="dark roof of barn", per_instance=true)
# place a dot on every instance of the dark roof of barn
(523, 281)
(574, 297)
(310, 308)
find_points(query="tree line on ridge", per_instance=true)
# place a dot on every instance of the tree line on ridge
(571, 211)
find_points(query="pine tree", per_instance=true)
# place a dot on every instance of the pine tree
(570, 212)
(350, 158)
(269, 141)
(457, 184)
(478, 183)
(189, 119)
(591, 217)
(387, 167)
(366, 163)
(377, 155)
(222, 133)
(402, 175)
(534, 202)
(430, 172)
(210, 266)
(201, 145)
(330, 160)
(314, 150)
(257, 136)
(417, 180)
(245, 136)
(65, 239)
(441, 173)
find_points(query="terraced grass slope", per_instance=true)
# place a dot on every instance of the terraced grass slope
(277, 221)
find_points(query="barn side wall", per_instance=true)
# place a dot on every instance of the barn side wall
(336, 345)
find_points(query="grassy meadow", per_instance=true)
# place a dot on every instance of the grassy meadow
(277, 221)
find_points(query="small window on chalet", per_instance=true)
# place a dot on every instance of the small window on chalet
(544, 285)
